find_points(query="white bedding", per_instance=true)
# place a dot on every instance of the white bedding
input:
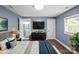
(24, 47)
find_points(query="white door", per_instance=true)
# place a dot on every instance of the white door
(25, 28)
(50, 28)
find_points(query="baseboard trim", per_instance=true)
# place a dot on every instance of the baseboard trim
(64, 45)
(56, 49)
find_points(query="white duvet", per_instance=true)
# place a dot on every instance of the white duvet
(24, 47)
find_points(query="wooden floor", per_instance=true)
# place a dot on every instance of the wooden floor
(61, 48)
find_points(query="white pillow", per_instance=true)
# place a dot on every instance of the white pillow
(12, 42)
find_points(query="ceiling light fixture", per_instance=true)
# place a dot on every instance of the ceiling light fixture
(38, 7)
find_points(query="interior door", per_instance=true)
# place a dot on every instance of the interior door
(25, 28)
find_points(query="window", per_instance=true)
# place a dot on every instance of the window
(71, 24)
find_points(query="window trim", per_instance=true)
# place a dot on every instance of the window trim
(72, 16)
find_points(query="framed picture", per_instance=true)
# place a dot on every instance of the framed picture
(3, 24)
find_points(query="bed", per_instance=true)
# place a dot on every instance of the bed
(32, 47)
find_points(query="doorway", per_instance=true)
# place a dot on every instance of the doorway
(25, 28)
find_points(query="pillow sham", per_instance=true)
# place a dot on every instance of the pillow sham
(13, 43)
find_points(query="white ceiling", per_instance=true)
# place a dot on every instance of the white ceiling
(48, 11)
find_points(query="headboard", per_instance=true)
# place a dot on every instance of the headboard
(5, 35)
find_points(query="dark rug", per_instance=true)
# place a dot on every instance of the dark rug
(46, 48)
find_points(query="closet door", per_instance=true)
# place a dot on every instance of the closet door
(50, 28)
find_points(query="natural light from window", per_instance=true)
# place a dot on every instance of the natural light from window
(71, 25)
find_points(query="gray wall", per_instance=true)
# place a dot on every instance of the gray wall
(60, 25)
(12, 17)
